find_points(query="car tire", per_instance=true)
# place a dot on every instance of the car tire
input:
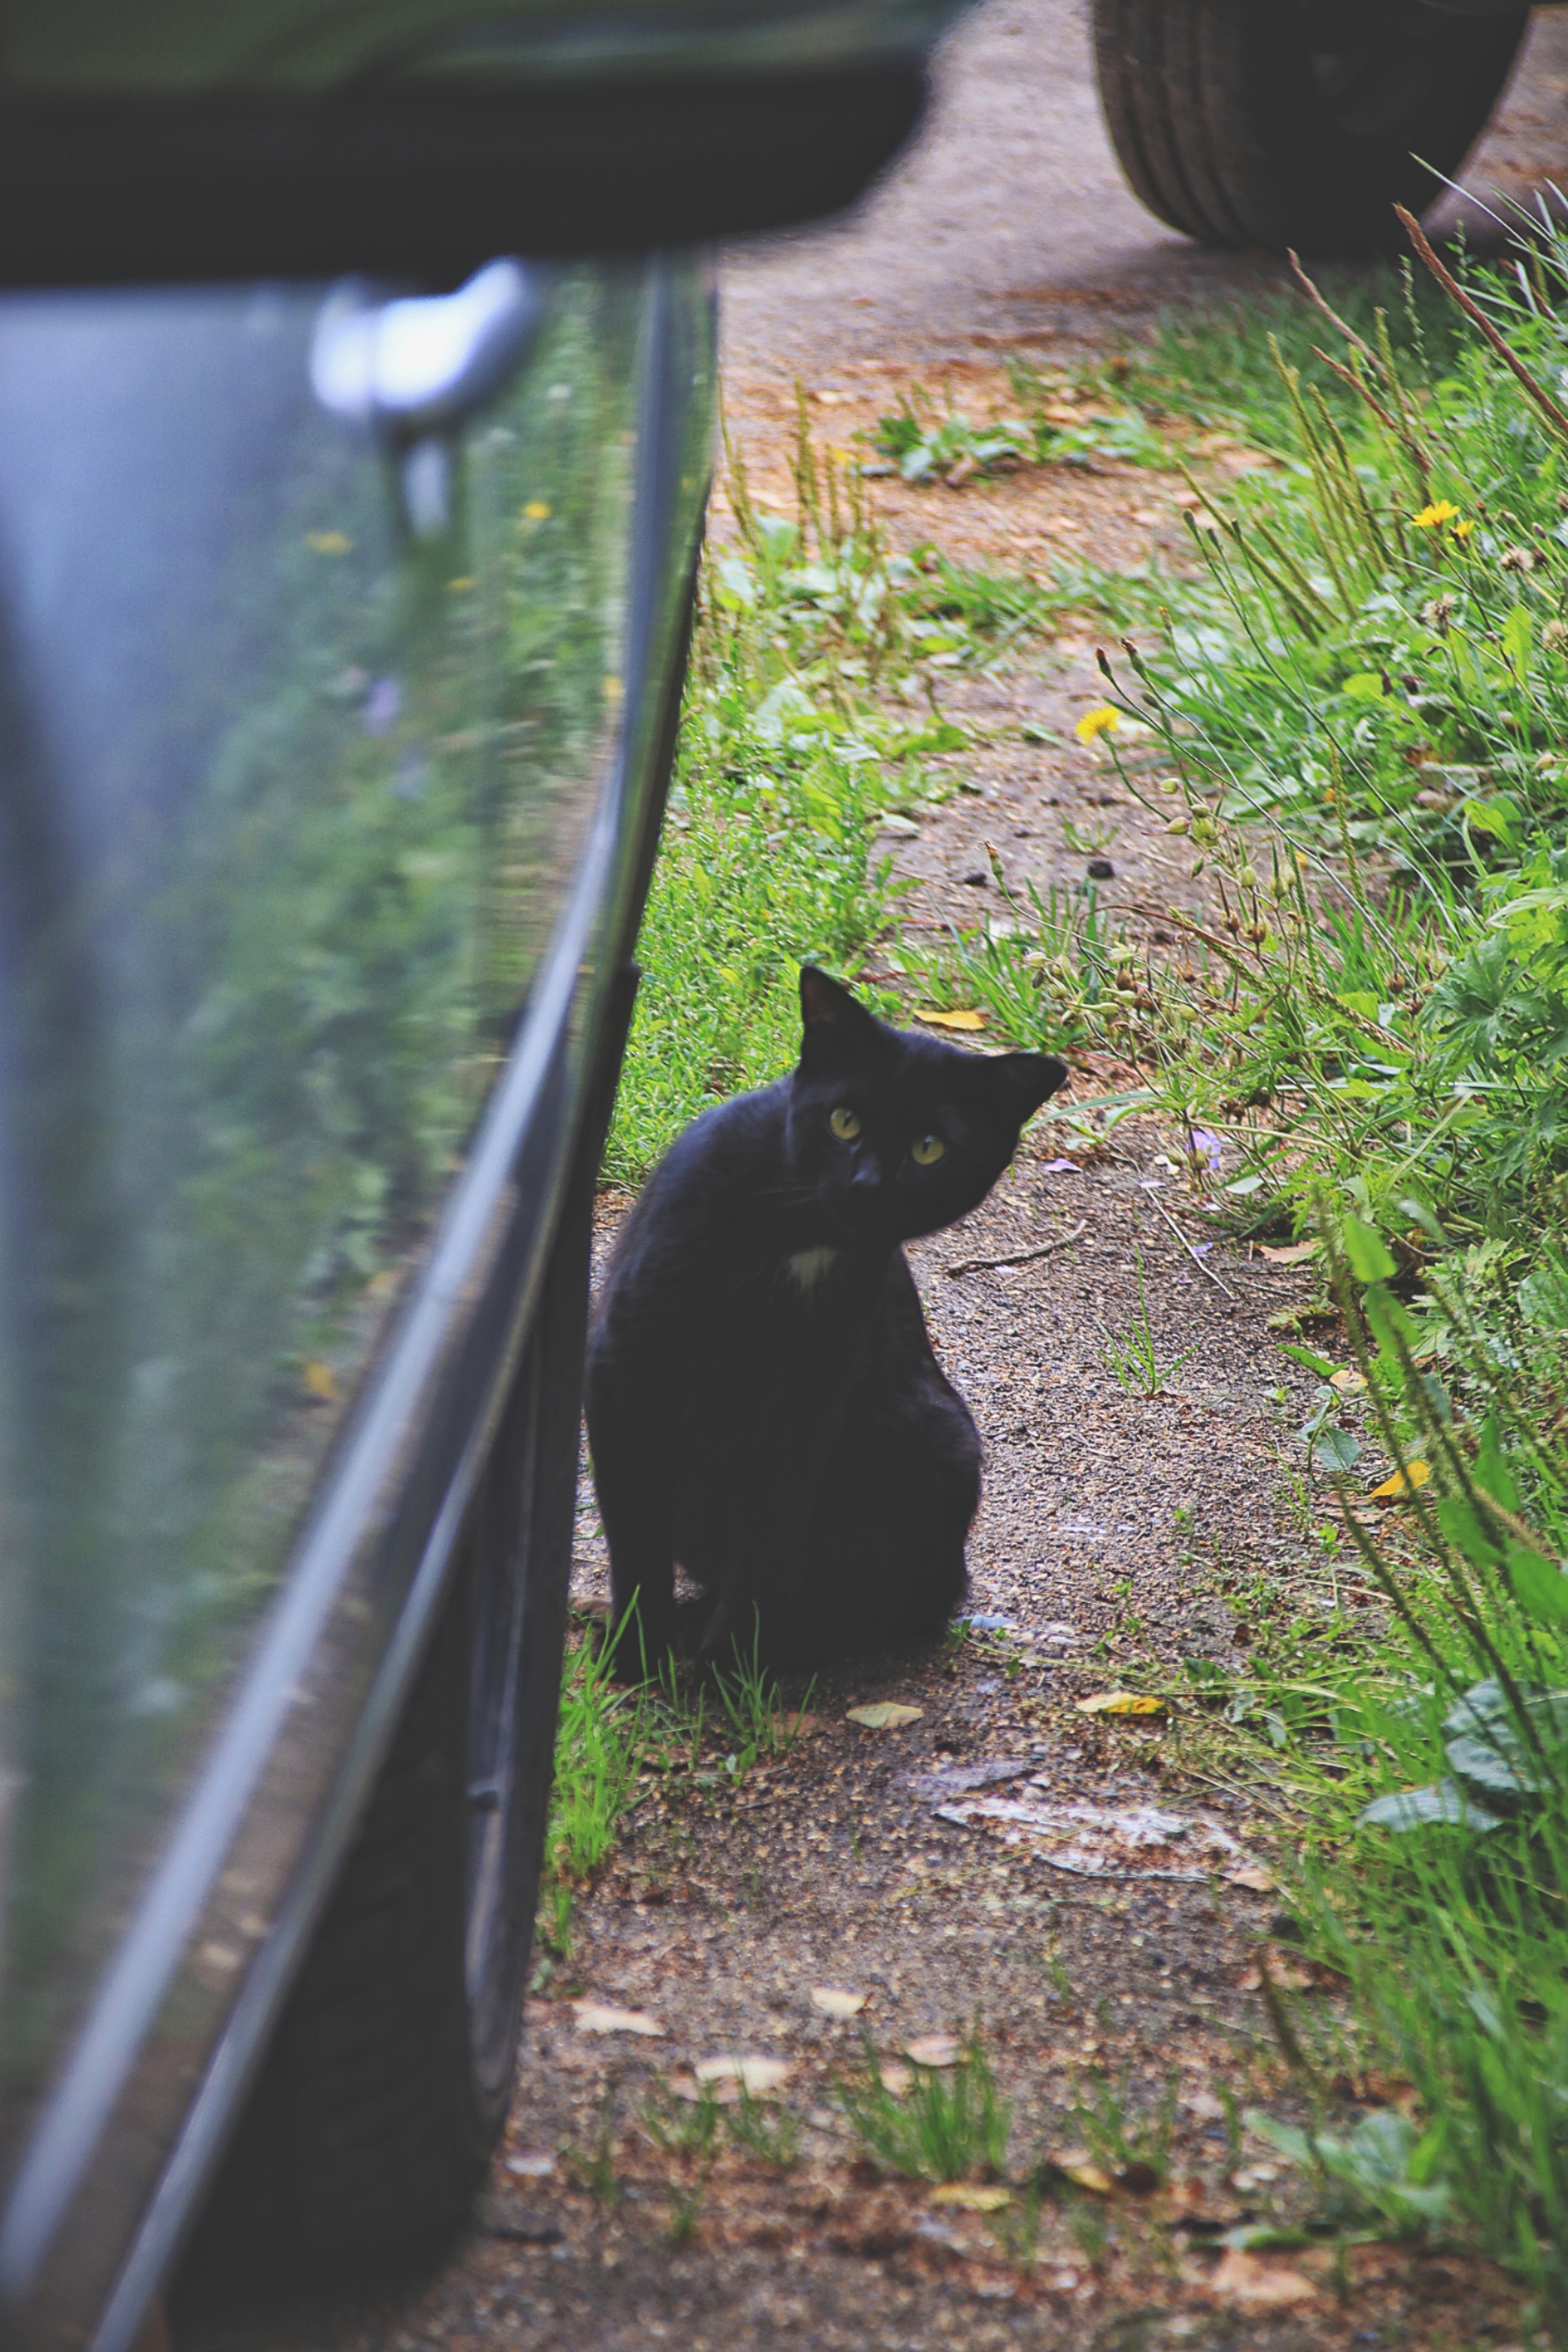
(1295, 123)
(388, 2078)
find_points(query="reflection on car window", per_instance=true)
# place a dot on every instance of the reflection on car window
(294, 800)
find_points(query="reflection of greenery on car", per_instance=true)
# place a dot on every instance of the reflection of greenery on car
(378, 880)
(388, 756)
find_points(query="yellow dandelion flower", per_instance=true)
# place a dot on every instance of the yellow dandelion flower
(538, 510)
(1462, 530)
(1434, 517)
(1098, 721)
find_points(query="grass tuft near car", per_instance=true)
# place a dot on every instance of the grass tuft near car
(343, 621)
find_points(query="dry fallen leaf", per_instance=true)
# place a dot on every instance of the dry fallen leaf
(933, 2050)
(833, 2004)
(1112, 1842)
(597, 2017)
(321, 1382)
(895, 2079)
(884, 1714)
(1121, 1701)
(962, 1020)
(799, 1725)
(974, 2200)
(1403, 1481)
(1257, 2285)
(757, 2075)
(1293, 1255)
(1078, 2167)
(1348, 1383)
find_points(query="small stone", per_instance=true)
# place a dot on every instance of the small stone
(520, 2227)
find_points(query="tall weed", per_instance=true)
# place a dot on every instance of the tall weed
(1357, 727)
(809, 711)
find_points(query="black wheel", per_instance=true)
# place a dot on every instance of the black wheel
(389, 2075)
(1295, 122)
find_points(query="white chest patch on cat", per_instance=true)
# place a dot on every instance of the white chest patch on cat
(809, 1265)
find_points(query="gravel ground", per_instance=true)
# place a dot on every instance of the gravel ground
(1118, 1533)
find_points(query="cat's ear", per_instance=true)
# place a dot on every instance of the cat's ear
(834, 1027)
(1024, 1080)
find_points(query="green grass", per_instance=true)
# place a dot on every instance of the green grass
(1133, 1355)
(1066, 421)
(1364, 743)
(1354, 724)
(594, 2168)
(682, 2128)
(613, 1740)
(1211, 368)
(764, 2129)
(603, 1736)
(810, 710)
(1134, 2147)
(951, 2123)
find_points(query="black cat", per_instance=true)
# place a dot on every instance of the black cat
(763, 1404)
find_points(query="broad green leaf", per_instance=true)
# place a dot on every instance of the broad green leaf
(1289, 2141)
(1464, 1531)
(1496, 1771)
(1483, 1708)
(1492, 1475)
(1324, 1368)
(1420, 1215)
(1517, 635)
(1390, 1323)
(1540, 1588)
(1499, 816)
(1362, 686)
(1444, 1802)
(1365, 1250)
(1335, 1449)
(737, 577)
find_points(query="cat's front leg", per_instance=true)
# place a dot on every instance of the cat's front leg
(632, 1477)
(772, 1477)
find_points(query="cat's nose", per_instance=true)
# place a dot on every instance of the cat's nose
(867, 1178)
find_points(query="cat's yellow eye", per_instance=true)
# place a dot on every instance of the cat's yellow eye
(845, 1124)
(927, 1149)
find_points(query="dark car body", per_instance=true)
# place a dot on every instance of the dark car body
(323, 855)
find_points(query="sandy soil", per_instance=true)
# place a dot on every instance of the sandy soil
(1118, 1531)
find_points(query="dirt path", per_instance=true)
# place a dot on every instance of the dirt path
(1117, 1531)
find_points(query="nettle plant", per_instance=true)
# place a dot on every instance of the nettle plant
(1436, 1884)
